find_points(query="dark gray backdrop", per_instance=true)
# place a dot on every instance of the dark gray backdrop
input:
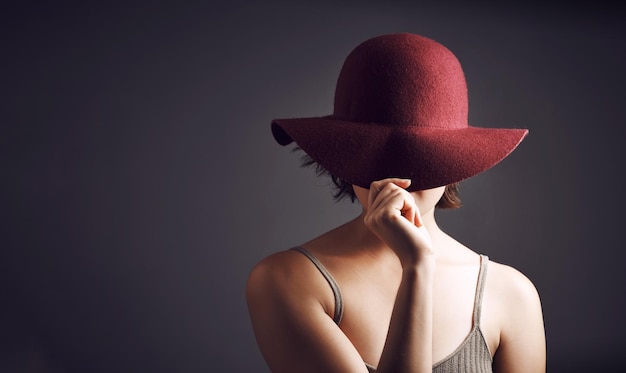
(140, 182)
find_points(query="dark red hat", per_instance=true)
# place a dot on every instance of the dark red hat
(400, 111)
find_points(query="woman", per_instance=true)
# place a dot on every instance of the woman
(389, 291)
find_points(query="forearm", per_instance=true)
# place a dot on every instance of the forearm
(408, 347)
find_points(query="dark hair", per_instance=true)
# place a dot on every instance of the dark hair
(449, 200)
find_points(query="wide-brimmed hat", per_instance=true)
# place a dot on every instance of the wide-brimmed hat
(400, 110)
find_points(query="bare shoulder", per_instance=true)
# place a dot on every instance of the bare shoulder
(519, 316)
(287, 280)
(514, 295)
(272, 271)
(290, 304)
(511, 287)
(282, 275)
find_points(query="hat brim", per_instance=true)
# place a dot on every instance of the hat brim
(360, 153)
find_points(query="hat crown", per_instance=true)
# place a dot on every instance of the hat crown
(402, 79)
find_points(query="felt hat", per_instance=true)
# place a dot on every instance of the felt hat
(400, 110)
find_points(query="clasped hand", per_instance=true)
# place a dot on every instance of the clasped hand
(394, 217)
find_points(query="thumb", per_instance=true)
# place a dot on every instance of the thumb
(402, 183)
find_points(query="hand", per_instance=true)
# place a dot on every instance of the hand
(394, 217)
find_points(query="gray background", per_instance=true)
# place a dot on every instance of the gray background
(140, 181)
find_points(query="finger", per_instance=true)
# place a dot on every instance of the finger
(386, 198)
(411, 212)
(399, 201)
(395, 198)
(377, 186)
(418, 219)
(382, 197)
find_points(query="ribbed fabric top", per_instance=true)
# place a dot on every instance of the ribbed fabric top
(472, 356)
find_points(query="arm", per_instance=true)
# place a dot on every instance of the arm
(290, 307)
(394, 217)
(409, 342)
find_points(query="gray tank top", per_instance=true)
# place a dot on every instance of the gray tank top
(472, 356)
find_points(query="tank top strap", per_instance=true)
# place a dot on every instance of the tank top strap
(480, 288)
(331, 281)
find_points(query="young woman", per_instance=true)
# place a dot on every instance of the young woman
(389, 291)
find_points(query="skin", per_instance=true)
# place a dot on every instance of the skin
(408, 292)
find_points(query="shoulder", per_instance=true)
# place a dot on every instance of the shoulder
(273, 274)
(511, 279)
(290, 306)
(518, 314)
(272, 270)
(511, 287)
(286, 279)
(514, 296)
